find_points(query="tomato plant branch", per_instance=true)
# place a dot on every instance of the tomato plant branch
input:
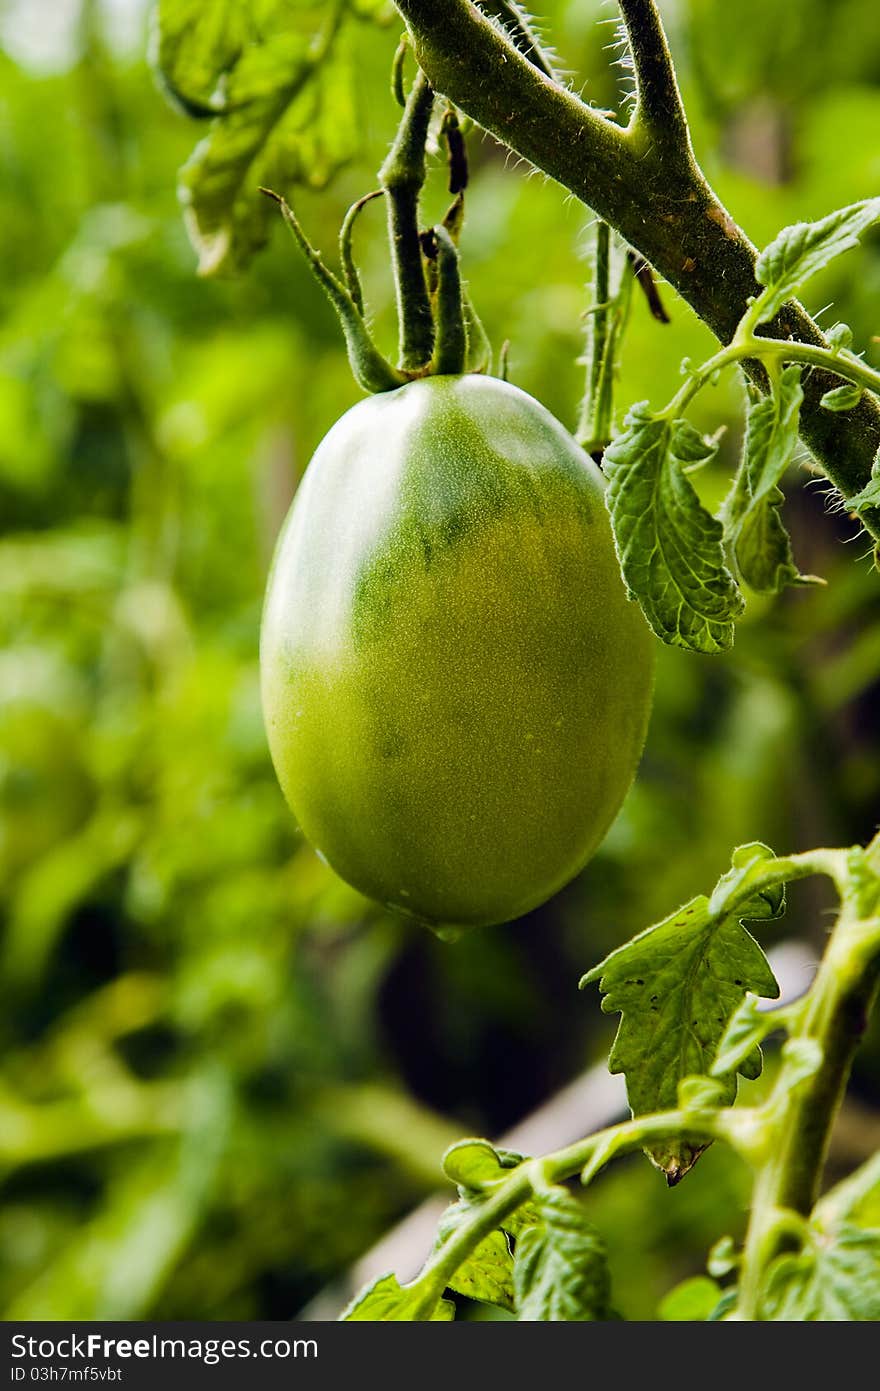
(802, 1109)
(659, 114)
(749, 347)
(535, 1175)
(651, 191)
(402, 176)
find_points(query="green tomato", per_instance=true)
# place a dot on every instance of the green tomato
(455, 686)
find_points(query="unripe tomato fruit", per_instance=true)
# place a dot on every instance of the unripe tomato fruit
(456, 688)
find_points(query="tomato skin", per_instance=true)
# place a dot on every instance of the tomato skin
(455, 686)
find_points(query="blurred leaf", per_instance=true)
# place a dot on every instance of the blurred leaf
(279, 82)
(855, 1200)
(690, 1302)
(835, 1278)
(384, 1301)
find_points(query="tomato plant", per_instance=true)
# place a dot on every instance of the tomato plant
(457, 673)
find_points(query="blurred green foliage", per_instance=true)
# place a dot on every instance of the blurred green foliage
(223, 1073)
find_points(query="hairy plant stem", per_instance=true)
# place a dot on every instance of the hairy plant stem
(515, 20)
(800, 1116)
(645, 182)
(402, 176)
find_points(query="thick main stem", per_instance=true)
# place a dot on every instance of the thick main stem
(651, 191)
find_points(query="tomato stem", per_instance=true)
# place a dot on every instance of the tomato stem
(402, 176)
(801, 1113)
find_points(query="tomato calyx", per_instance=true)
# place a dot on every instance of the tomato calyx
(439, 331)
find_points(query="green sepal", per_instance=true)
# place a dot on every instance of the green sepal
(371, 370)
(451, 343)
(349, 269)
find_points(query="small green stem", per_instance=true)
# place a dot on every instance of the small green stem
(588, 426)
(749, 347)
(402, 177)
(608, 323)
(534, 1175)
(849, 367)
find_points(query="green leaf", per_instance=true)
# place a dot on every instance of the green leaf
(753, 527)
(748, 888)
(834, 1278)
(839, 336)
(870, 494)
(386, 1301)
(739, 1049)
(474, 1163)
(803, 1057)
(802, 250)
(487, 1273)
(281, 78)
(676, 986)
(856, 1199)
(842, 398)
(723, 1258)
(193, 45)
(690, 1302)
(561, 1271)
(700, 1093)
(669, 547)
